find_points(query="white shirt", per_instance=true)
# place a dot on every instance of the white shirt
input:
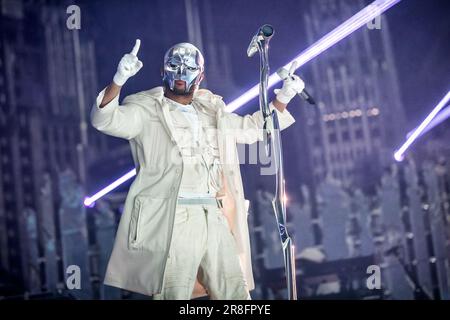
(192, 117)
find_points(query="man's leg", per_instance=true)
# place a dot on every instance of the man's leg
(186, 251)
(220, 269)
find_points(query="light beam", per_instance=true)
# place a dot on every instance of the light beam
(440, 117)
(399, 154)
(89, 201)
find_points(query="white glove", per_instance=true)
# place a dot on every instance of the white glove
(129, 65)
(292, 85)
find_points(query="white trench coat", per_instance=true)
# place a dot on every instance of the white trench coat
(143, 237)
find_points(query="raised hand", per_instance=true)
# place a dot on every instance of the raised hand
(128, 66)
(292, 85)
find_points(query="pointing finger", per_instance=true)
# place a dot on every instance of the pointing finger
(293, 67)
(135, 50)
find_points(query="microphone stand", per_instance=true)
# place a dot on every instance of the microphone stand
(272, 142)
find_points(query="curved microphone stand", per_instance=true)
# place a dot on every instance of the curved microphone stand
(272, 142)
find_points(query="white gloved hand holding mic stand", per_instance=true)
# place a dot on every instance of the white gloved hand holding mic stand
(292, 85)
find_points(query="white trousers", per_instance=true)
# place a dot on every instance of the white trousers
(202, 245)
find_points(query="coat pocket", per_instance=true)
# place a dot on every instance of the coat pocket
(150, 224)
(134, 232)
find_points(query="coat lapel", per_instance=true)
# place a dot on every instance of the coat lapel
(166, 119)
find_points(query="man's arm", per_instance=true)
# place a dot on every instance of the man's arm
(111, 91)
(123, 121)
(279, 105)
(248, 129)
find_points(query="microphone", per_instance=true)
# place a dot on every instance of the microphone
(265, 32)
(284, 74)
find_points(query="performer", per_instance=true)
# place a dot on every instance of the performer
(183, 232)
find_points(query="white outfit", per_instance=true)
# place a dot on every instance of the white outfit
(144, 235)
(202, 171)
(203, 247)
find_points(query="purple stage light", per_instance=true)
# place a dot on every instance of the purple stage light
(399, 154)
(360, 19)
(440, 117)
(348, 27)
(89, 201)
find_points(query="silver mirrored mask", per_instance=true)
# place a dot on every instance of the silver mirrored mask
(183, 62)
